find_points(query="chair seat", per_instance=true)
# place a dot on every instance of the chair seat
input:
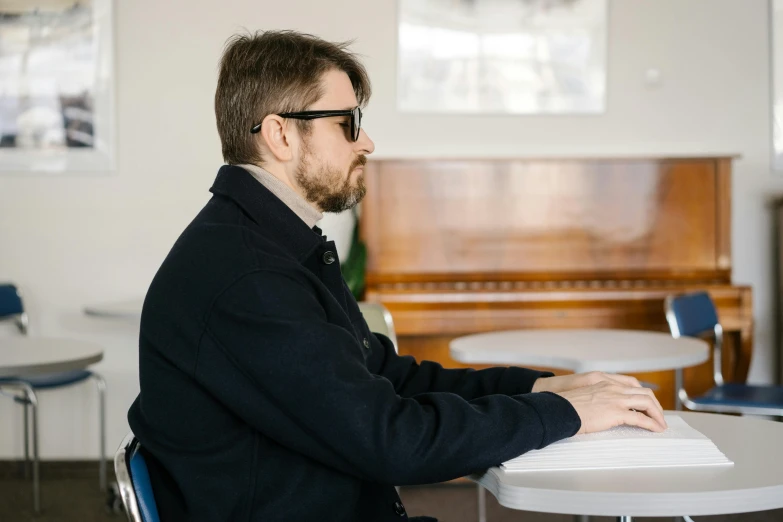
(742, 395)
(51, 380)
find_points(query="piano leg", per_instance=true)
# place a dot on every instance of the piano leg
(745, 353)
(738, 350)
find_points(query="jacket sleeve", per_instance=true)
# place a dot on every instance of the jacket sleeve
(270, 354)
(410, 377)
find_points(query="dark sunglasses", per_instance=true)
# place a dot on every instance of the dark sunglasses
(355, 114)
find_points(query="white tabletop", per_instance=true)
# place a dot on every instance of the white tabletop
(127, 309)
(614, 351)
(754, 483)
(34, 355)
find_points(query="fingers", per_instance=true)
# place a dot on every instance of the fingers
(613, 387)
(614, 400)
(645, 391)
(639, 419)
(647, 405)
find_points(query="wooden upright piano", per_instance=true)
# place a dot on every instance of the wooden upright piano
(465, 246)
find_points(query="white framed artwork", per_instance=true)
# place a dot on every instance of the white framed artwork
(56, 86)
(502, 56)
(776, 63)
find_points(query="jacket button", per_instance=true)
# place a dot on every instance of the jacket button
(328, 257)
(399, 508)
(366, 343)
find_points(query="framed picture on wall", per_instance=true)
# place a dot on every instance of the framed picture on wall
(776, 57)
(502, 56)
(56, 86)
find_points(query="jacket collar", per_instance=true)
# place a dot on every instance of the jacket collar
(278, 221)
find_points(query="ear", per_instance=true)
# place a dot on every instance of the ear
(274, 136)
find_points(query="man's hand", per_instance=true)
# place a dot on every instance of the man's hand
(605, 405)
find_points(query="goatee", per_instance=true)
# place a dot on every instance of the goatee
(330, 188)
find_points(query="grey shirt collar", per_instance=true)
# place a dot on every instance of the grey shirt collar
(286, 194)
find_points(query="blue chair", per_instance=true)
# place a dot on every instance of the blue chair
(12, 309)
(133, 480)
(694, 315)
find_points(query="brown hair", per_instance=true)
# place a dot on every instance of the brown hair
(272, 72)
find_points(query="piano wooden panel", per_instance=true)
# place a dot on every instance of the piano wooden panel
(559, 218)
(459, 247)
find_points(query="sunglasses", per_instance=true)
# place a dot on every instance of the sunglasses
(355, 114)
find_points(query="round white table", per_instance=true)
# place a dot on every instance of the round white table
(28, 356)
(127, 309)
(612, 351)
(606, 350)
(25, 356)
(754, 483)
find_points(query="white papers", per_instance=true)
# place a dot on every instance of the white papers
(625, 447)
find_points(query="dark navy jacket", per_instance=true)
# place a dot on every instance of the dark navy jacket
(265, 397)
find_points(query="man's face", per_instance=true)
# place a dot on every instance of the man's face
(330, 169)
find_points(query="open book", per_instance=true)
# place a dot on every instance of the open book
(625, 447)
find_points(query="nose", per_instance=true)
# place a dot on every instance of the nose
(364, 143)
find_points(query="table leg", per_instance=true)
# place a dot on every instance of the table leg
(624, 519)
(581, 518)
(677, 387)
(482, 503)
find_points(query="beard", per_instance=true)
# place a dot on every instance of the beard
(328, 187)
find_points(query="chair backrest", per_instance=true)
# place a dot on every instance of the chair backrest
(693, 315)
(379, 320)
(133, 479)
(12, 307)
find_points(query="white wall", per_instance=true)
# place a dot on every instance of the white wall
(75, 240)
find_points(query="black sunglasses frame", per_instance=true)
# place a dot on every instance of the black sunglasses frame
(355, 114)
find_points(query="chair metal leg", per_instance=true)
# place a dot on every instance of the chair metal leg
(26, 439)
(32, 399)
(482, 503)
(101, 385)
(36, 459)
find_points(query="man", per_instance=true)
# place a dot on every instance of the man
(264, 396)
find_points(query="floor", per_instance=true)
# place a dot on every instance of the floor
(67, 499)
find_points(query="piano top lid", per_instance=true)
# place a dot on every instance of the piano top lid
(564, 158)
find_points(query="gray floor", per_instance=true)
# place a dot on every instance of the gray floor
(78, 499)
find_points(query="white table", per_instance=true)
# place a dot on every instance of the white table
(754, 483)
(127, 309)
(34, 355)
(606, 350)
(27, 356)
(612, 351)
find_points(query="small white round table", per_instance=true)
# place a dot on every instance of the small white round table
(611, 351)
(127, 309)
(754, 483)
(606, 350)
(25, 356)
(28, 356)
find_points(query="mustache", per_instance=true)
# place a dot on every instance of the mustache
(360, 161)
